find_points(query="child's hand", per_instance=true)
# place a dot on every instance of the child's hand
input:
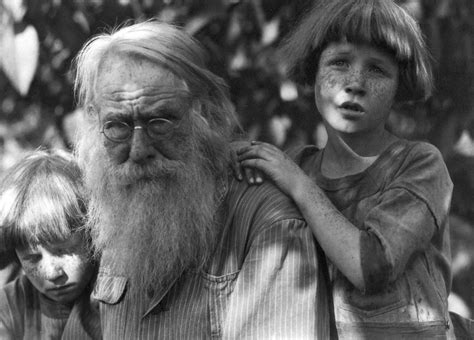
(252, 175)
(274, 163)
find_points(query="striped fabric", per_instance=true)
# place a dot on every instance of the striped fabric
(262, 282)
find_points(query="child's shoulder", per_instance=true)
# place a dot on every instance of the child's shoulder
(16, 299)
(422, 172)
(416, 156)
(413, 165)
(303, 153)
(17, 292)
(421, 149)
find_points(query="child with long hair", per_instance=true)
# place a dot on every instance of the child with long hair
(377, 204)
(42, 210)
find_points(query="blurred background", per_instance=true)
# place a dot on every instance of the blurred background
(39, 38)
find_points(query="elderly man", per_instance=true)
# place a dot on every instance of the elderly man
(186, 251)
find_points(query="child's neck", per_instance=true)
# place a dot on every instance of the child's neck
(349, 154)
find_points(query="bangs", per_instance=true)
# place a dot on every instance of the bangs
(380, 23)
(367, 23)
(41, 203)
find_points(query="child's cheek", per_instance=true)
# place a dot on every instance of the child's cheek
(33, 270)
(383, 91)
(75, 265)
(329, 80)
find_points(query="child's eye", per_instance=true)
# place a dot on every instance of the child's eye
(32, 258)
(62, 251)
(339, 63)
(376, 69)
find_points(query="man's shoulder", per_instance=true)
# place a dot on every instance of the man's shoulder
(263, 203)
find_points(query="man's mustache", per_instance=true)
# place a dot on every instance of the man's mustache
(130, 173)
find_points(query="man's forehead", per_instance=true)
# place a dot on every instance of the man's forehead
(123, 73)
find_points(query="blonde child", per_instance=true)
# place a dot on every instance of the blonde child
(41, 214)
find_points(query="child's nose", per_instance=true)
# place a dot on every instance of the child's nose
(55, 273)
(356, 83)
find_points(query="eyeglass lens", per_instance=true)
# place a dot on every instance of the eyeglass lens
(122, 131)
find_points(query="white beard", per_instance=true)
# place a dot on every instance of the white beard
(155, 221)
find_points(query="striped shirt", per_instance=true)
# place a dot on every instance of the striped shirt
(263, 281)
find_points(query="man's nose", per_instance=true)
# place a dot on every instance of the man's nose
(356, 83)
(141, 149)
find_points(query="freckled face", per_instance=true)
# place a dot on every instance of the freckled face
(135, 91)
(60, 271)
(355, 87)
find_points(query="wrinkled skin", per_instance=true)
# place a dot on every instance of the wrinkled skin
(153, 199)
(135, 91)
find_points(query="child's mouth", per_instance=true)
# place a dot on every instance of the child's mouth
(351, 110)
(352, 107)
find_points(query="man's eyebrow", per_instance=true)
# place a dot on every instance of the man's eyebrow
(116, 115)
(168, 100)
(172, 94)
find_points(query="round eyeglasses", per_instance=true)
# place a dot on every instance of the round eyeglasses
(119, 131)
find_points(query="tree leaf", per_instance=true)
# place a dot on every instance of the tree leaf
(19, 52)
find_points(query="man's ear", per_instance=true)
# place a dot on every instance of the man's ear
(90, 111)
(198, 111)
(91, 114)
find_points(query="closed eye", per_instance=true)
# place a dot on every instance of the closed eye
(169, 112)
(62, 251)
(377, 69)
(32, 258)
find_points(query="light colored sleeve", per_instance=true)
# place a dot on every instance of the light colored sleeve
(275, 294)
(5, 334)
(6, 321)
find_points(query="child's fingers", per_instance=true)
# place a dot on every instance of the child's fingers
(265, 149)
(249, 175)
(255, 164)
(254, 151)
(247, 147)
(258, 175)
(253, 176)
(235, 165)
(236, 170)
(243, 149)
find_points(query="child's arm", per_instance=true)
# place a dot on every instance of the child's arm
(337, 236)
(402, 222)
